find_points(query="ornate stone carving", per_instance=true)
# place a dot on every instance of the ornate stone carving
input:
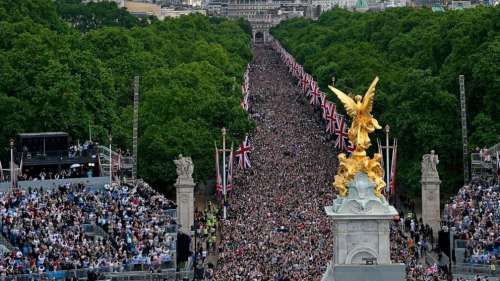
(429, 163)
(185, 169)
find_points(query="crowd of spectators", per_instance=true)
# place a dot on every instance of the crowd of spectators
(474, 216)
(411, 242)
(206, 224)
(50, 229)
(277, 228)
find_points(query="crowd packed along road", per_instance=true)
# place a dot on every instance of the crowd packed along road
(278, 229)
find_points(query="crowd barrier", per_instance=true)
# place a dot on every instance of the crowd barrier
(97, 182)
(467, 268)
(129, 272)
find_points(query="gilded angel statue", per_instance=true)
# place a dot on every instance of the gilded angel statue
(363, 123)
(359, 110)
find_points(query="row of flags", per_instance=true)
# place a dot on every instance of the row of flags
(336, 124)
(242, 152)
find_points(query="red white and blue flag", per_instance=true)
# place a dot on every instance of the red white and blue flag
(315, 94)
(242, 154)
(341, 133)
(324, 105)
(393, 167)
(218, 178)
(331, 118)
(350, 148)
(229, 170)
(498, 165)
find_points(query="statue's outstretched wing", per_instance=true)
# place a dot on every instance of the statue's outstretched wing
(369, 95)
(349, 104)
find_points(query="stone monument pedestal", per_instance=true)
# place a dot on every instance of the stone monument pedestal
(361, 232)
(185, 194)
(430, 192)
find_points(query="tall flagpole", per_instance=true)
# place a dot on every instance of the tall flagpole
(388, 171)
(110, 162)
(224, 184)
(12, 172)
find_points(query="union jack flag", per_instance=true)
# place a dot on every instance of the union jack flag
(350, 148)
(331, 117)
(341, 134)
(244, 103)
(324, 105)
(218, 181)
(229, 185)
(315, 94)
(242, 154)
(392, 179)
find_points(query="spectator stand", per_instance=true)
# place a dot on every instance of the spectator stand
(483, 163)
(474, 215)
(117, 229)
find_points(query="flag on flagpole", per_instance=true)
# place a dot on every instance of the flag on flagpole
(315, 94)
(350, 148)
(393, 166)
(218, 181)
(242, 154)
(498, 165)
(21, 166)
(230, 172)
(331, 117)
(379, 148)
(324, 105)
(341, 134)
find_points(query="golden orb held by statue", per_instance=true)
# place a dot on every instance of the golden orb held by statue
(363, 123)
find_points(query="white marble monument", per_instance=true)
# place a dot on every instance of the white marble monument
(430, 191)
(361, 227)
(185, 193)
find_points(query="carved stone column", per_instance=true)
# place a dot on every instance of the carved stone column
(430, 192)
(185, 193)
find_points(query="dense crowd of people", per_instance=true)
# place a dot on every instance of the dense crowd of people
(474, 215)
(277, 228)
(48, 229)
(411, 241)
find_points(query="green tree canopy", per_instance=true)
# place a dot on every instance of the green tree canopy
(418, 56)
(65, 65)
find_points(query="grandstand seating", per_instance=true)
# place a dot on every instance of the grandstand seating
(80, 228)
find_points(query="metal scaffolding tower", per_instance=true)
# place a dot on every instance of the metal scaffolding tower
(136, 127)
(463, 112)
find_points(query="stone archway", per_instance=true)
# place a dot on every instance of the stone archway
(259, 37)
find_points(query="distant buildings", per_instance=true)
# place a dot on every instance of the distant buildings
(120, 3)
(144, 9)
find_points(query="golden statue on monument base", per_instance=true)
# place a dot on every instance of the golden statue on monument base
(363, 123)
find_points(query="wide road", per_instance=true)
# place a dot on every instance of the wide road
(278, 228)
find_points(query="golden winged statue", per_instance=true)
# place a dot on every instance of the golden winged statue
(363, 123)
(359, 110)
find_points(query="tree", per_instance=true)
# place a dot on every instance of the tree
(418, 56)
